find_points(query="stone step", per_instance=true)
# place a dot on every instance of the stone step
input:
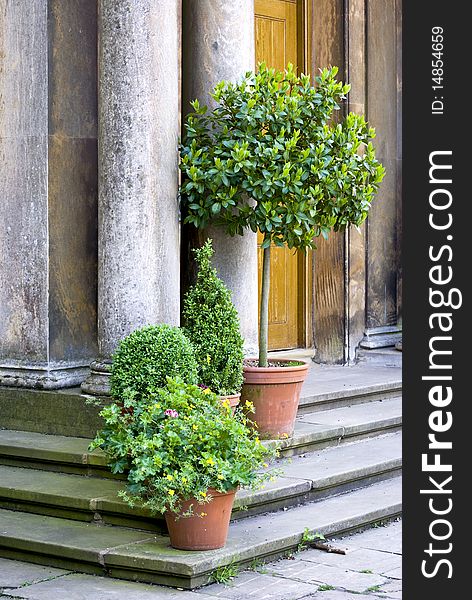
(305, 478)
(386, 357)
(68, 412)
(321, 429)
(143, 556)
(313, 430)
(334, 386)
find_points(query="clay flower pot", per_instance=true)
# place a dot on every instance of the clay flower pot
(206, 532)
(233, 400)
(275, 393)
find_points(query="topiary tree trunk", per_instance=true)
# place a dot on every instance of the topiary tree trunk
(264, 316)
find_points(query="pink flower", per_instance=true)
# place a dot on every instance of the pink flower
(170, 412)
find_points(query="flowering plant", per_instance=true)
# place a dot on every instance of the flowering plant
(177, 444)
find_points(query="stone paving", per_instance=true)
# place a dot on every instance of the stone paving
(370, 569)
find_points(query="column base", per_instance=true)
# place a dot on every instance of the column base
(381, 337)
(98, 380)
(42, 378)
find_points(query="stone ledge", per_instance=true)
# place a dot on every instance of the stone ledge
(131, 554)
(316, 475)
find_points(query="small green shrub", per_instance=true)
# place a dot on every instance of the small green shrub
(146, 357)
(211, 322)
(178, 442)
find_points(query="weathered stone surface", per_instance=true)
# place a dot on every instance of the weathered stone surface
(138, 555)
(360, 559)
(138, 207)
(81, 587)
(92, 498)
(335, 576)
(14, 574)
(257, 585)
(23, 247)
(381, 337)
(383, 71)
(218, 44)
(390, 539)
(62, 412)
(48, 189)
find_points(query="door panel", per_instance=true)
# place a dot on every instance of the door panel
(276, 45)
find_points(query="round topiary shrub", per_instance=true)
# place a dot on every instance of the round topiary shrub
(211, 322)
(146, 357)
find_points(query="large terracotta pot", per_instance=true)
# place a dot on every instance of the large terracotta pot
(233, 400)
(202, 533)
(275, 393)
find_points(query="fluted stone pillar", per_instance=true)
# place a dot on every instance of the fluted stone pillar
(138, 218)
(218, 43)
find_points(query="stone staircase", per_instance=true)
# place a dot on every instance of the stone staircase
(59, 504)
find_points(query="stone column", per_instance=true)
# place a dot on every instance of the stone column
(48, 199)
(218, 43)
(138, 217)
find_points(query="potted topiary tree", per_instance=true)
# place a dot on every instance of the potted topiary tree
(270, 157)
(185, 456)
(211, 322)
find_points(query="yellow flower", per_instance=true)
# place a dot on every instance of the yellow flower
(203, 494)
(249, 404)
(169, 477)
(157, 406)
(208, 359)
(184, 480)
(207, 391)
(203, 514)
(194, 427)
(210, 461)
(220, 476)
(265, 465)
(171, 492)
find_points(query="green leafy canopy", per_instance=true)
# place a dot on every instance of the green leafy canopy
(211, 322)
(270, 157)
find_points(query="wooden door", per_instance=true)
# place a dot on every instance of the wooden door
(276, 44)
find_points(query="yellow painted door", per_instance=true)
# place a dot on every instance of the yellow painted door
(276, 45)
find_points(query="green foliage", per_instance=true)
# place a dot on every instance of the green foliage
(211, 322)
(325, 587)
(272, 139)
(146, 357)
(176, 443)
(225, 573)
(271, 158)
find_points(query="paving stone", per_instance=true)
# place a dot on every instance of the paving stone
(394, 574)
(302, 570)
(14, 573)
(340, 595)
(385, 538)
(392, 589)
(360, 559)
(88, 587)
(261, 587)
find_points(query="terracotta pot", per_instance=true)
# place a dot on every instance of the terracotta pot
(202, 533)
(233, 400)
(275, 393)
